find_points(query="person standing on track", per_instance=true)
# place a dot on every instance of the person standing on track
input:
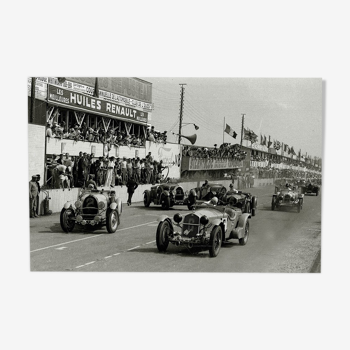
(131, 187)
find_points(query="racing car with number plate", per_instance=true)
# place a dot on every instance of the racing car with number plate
(207, 227)
(94, 208)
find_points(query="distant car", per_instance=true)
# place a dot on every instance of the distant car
(242, 200)
(207, 227)
(94, 207)
(287, 196)
(199, 195)
(167, 195)
(310, 188)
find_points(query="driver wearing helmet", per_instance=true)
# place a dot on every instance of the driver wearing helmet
(91, 184)
(213, 202)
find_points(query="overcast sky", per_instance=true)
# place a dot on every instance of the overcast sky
(289, 110)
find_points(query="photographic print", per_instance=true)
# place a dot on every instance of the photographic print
(170, 174)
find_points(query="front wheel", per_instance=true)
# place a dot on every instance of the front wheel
(163, 231)
(215, 241)
(273, 204)
(112, 220)
(244, 239)
(66, 221)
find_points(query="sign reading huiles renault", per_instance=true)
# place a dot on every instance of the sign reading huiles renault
(94, 105)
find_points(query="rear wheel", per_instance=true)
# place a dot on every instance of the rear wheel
(66, 221)
(112, 220)
(147, 199)
(215, 241)
(247, 207)
(299, 207)
(163, 231)
(166, 203)
(244, 239)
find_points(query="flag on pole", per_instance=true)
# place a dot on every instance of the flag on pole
(230, 131)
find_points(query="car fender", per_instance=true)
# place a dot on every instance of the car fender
(165, 218)
(241, 224)
(165, 193)
(69, 204)
(117, 205)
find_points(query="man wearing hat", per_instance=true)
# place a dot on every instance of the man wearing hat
(33, 193)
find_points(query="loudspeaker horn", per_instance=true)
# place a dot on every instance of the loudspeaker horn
(191, 138)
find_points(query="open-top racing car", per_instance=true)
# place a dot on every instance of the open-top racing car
(241, 200)
(310, 188)
(94, 207)
(287, 196)
(199, 195)
(167, 194)
(207, 227)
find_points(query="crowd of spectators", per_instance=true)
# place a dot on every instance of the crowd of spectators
(225, 150)
(68, 171)
(113, 136)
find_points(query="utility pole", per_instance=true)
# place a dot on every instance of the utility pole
(32, 101)
(181, 109)
(242, 128)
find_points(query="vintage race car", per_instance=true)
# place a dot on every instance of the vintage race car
(167, 194)
(287, 197)
(242, 200)
(93, 208)
(207, 227)
(199, 195)
(310, 188)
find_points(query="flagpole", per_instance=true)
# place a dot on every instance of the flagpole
(242, 128)
(223, 132)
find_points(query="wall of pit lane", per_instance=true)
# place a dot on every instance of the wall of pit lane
(59, 197)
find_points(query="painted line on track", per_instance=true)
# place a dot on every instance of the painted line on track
(82, 239)
(150, 242)
(133, 248)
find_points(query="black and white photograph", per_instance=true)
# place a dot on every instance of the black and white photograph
(187, 170)
(163, 174)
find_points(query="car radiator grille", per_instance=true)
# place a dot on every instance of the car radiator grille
(90, 207)
(191, 225)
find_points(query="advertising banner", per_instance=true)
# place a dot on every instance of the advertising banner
(212, 164)
(169, 153)
(75, 100)
(88, 87)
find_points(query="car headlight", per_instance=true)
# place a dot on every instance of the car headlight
(101, 205)
(204, 220)
(177, 218)
(78, 204)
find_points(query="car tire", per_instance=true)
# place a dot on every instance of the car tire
(253, 212)
(215, 241)
(112, 220)
(67, 224)
(244, 239)
(247, 208)
(166, 203)
(162, 239)
(273, 203)
(299, 207)
(147, 199)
